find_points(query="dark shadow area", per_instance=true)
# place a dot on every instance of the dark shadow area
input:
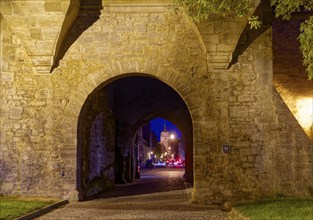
(153, 180)
(136, 100)
(79, 18)
(265, 13)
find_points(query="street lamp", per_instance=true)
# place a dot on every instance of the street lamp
(151, 155)
(172, 141)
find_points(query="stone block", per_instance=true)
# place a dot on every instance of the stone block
(218, 65)
(157, 18)
(206, 28)
(16, 112)
(7, 187)
(15, 8)
(50, 33)
(232, 39)
(68, 152)
(210, 39)
(35, 33)
(7, 124)
(7, 76)
(238, 111)
(245, 98)
(5, 8)
(233, 27)
(53, 6)
(41, 60)
(42, 69)
(226, 47)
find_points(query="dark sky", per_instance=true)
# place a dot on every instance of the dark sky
(157, 126)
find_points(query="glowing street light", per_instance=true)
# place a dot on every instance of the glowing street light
(172, 136)
(151, 156)
(305, 113)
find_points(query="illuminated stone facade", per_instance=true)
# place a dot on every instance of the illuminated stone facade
(165, 140)
(42, 113)
(291, 81)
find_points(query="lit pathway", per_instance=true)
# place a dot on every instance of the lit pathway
(165, 197)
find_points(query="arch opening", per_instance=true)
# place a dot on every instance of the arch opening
(167, 144)
(108, 124)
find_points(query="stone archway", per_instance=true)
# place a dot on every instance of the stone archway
(106, 125)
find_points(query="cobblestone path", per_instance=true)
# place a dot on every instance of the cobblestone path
(160, 194)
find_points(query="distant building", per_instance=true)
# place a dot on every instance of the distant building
(153, 143)
(165, 141)
(173, 148)
(143, 147)
(146, 142)
(181, 150)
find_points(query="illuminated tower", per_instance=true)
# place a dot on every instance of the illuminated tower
(165, 139)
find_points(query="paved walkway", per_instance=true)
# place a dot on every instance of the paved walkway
(163, 196)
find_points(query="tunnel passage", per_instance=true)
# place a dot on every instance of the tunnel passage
(108, 122)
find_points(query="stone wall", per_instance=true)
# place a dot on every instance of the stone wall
(29, 155)
(40, 113)
(96, 144)
(293, 158)
(239, 113)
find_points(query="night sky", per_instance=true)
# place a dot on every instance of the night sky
(157, 126)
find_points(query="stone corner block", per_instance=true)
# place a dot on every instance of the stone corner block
(16, 112)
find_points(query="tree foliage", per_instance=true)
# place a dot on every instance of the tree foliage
(306, 45)
(200, 10)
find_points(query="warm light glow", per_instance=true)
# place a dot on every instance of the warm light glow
(151, 152)
(305, 112)
(169, 148)
(172, 136)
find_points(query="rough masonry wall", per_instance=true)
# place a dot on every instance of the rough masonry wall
(102, 148)
(96, 132)
(150, 41)
(239, 105)
(30, 157)
(40, 114)
(293, 158)
(269, 148)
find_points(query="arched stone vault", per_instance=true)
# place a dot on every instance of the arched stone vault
(87, 81)
(94, 80)
(133, 101)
